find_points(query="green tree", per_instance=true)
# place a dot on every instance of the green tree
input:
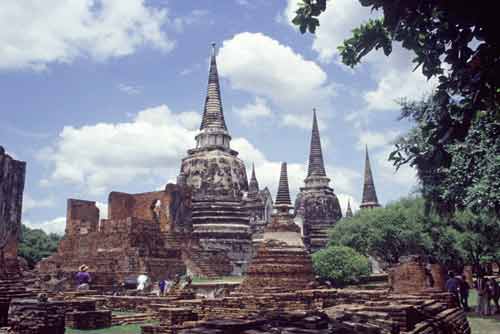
(464, 109)
(386, 233)
(341, 264)
(35, 244)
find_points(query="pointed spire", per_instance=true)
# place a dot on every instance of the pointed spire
(348, 212)
(253, 187)
(369, 194)
(213, 116)
(316, 164)
(283, 195)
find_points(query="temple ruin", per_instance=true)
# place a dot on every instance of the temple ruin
(317, 207)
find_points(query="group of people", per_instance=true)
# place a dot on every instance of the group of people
(488, 292)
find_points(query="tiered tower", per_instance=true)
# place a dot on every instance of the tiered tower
(316, 205)
(348, 211)
(282, 263)
(370, 199)
(218, 179)
(259, 204)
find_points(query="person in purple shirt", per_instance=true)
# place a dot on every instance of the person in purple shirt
(83, 278)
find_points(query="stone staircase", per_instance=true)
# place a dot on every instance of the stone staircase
(134, 318)
(10, 289)
(207, 263)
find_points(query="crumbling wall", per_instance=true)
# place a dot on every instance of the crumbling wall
(413, 275)
(82, 217)
(12, 175)
(171, 208)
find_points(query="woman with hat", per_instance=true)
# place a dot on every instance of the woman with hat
(83, 278)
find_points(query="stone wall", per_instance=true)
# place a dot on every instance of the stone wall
(137, 238)
(28, 316)
(12, 175)
(412, 275)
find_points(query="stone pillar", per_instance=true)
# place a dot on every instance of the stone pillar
(439, 275)
(469, 275)
(12, 174)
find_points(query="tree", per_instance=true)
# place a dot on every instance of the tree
(451, 35)
(35, 245)
(385, 233)
(341, 264)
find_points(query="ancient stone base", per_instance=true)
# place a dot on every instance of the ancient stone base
(28, 316)
(88, 319)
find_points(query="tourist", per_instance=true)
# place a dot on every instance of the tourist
(494, 293)
(83, 278)
(483, 306)
(142, 282)
(464, 293)
(162, 284)
(453, 286)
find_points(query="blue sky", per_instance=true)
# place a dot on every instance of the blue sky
(107, 95)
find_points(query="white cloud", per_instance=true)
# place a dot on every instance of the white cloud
(32, 203)
(376, 139)
(393, 75)
(56, 225)
(35, 33)
(129, 89)
(250, 112)
(405, 176)
(337, 22)
(257, 64)
(99, 156)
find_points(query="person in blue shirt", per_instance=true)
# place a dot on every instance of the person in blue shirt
(83, 278)
(453, 286)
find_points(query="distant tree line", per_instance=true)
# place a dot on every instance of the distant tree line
(35, 244)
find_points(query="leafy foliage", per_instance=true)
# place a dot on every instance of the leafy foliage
(458, 44)
(341, 264)
(403, 228)
(35, 244)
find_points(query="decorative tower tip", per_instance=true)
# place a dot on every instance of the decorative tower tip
(370, 199)
(283, 195)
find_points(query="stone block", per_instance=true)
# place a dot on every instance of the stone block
(88, 319)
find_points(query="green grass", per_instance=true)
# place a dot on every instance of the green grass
(125, 329)
(479, 324)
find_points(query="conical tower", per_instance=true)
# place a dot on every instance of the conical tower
(213, 129)
(369, 199)
(282, 263)
(317, 207)
(218, 179)
(253, 186)
(316, 175)
(283, 202)
(348, 212)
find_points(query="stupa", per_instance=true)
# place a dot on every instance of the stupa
(282, 262)
(259, 204)
(369, 199)
(316, 205)
(218, 180)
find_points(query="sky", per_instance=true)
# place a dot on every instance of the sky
(106, 95)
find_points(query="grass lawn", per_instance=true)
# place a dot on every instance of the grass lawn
(482, 325)
(125, 329)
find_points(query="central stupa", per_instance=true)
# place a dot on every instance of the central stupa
(218, 180)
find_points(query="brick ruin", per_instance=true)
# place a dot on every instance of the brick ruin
(317, 207)
(12, 175)
(282, 261)
(135, 238)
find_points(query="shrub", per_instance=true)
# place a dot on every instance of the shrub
(341, 264)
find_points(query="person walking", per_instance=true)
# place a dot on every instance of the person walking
(452, 285)
(83, 278)
(464, 293)
(483, 293)
(494, 294)
(161, 285)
